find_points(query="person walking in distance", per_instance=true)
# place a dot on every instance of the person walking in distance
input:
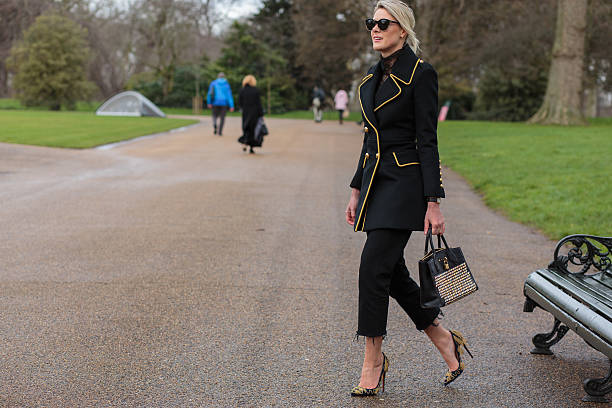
(318, 98)
(219, 99)
(249, 101)
(341, 101)
(396, 190)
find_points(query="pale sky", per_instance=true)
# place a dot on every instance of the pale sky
(240, 9)
(243, 8)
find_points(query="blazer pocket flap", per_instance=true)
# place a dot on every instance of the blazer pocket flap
(406, 158)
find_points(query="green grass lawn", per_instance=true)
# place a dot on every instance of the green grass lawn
(77, 129)
(553, 178)
(14, 104)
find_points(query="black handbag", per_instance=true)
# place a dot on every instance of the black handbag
(261, 130)
(444, 275)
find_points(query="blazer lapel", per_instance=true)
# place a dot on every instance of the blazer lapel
(366, 96)
(400, 77)
(387, 91)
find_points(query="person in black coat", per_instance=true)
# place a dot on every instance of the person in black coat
(249, 101)
(396, 190)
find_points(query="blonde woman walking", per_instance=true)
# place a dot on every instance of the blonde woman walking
(396, 190)
(249, 101)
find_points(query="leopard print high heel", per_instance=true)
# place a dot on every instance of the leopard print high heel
(460, 344)
(359, 391)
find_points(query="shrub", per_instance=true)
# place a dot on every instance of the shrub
(50, 64)
(509, 96)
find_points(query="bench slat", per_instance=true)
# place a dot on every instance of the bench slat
(540, 290)
(578, 316)
(586, 293)
(604, 279)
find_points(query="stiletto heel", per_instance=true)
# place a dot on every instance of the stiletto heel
(468, 350)
(460, 344)
(359, 391)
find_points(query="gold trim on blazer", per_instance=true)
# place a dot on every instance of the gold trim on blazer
(399, 88)
(364, 217)
(405, 164)
(365, 158)
(365, 199)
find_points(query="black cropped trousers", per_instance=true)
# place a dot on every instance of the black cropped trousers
(383, 273)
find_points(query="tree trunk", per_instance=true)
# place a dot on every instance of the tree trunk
(562, 102)
(3, 81)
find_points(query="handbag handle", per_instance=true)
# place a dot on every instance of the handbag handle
(429, 241)
(443, 240)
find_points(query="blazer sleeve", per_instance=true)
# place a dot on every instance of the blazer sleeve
(426, 118)
(358, 177)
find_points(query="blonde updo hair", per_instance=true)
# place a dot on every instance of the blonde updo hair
(404, 15)
(249, 80)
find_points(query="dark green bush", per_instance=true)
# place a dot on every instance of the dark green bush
(510, 97)
(183, 89)
(460, 94)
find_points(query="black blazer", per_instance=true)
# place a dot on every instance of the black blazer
(399, 163)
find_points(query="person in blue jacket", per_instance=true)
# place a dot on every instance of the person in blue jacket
(219, 98)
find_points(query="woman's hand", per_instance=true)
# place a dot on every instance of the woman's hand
(351, 208)
(434, 217)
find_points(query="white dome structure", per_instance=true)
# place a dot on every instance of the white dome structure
(129, 103)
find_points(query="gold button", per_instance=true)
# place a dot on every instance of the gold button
(365, 129)
(367, 155)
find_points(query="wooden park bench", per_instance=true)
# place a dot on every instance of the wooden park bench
(578, 299)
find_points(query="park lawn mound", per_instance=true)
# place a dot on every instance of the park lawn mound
(77, 130)
(553, 178)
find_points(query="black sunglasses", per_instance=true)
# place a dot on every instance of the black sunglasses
(383, 23)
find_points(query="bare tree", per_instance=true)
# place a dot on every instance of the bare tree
(562, 102)
(329, 35)
(127, 38)
(211, 13)
(111, 39)
(163, 35)
(15, 17)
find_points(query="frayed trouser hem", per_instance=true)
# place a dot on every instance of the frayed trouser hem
(422, 328)
(365, 336)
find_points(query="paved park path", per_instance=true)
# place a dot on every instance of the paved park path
(178, 271)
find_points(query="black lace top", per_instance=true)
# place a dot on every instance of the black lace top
(387, 65)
